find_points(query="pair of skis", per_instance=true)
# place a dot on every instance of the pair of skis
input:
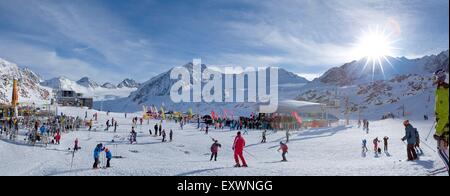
(437, 171)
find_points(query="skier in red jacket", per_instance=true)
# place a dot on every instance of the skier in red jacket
(284, 150)
(238, 147)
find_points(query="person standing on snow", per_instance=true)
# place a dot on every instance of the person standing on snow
(284, 150)
(375, 145)
(160, 129)
(170, 135)
(206, 129)
(163, 135)
(417, 145)
(108, 157)
(238, 148)
(115, 126)
(385, 142)
(98, 149)
(57, 137)
(90, 125)
(287, 136)
(364, 146)
(263, 137)
(75, 146)
(107, 125)
(442, 120)
(410, 137)
(156, 129)
(215, 149)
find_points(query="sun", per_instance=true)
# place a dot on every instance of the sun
(375, 45)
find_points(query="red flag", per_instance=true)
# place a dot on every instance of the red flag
(298, 118)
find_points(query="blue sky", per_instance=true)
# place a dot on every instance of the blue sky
(114, 39)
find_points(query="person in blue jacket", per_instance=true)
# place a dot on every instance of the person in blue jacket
(410, 137)
(98, 149)
(42, 129)
(108, 157)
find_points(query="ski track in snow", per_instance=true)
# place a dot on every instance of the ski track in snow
(326, 151)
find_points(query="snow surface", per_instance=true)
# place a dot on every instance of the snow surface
(328, 151)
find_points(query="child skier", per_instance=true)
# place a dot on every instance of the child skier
(215, 149)
(75, 146)
(375, 145)
(108, 157)
(284, 150)
(263, 137)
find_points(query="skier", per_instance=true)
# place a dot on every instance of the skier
(263, 137)
(364, 146)
(238, 148)
(90, 125)
(215, 149)
(287, 136)
(115, 126)
(108, 157)
(125, 115)
(57, 137)
(150, 131)
(98, 149)
(133, 135)
(163, 135)
(375, 145)
(160, 128)
(207, 128)
(410, 136)
(417, 145)
(156, 129)
(385, 141)
(284, 150)
(441, 109)
(140, 120)
(75, 146)
(170, 135)
(107, 125)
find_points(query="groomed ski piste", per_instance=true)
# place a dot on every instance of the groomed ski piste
(332, 151)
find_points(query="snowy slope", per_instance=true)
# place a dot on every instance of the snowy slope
(29, 89)
(330, 151)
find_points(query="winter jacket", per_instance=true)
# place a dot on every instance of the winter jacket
(239, 144)
(410, 134)
(42, 129)
(284, 147)
(215, 147)
(441, 109)
(97, 152)
(109, 155)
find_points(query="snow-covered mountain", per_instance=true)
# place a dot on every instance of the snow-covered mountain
(156, 91)
(29, 88)
(358, 72)
(87, 82)
(128, 83)
(89, 88)
(109, 86)
(407, 87)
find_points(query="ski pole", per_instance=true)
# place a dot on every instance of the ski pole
(429, 133)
